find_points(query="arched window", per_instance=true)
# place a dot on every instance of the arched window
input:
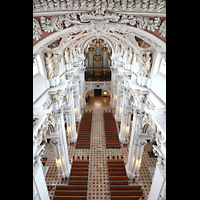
(35, 66)
(162, 68)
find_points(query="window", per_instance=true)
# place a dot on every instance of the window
(162, 68)
(35, 66)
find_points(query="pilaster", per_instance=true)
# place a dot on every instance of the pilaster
(125, 118)
(118, 110)
(62, 159)
(158, 187)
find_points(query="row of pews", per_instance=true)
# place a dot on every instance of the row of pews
(83, 140)
(119, 188)
(76, 189)
(77, 186)
(112, 140)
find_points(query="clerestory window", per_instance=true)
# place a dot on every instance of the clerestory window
(162, 68)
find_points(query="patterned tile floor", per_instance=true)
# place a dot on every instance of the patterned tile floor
(98, 185)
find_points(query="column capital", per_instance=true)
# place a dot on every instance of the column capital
(140, 143)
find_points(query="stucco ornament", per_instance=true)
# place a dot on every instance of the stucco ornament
(67, 56)
(51, 64)
(37, 31)
(145, 60)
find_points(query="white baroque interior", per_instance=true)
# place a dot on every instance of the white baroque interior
(76, 45)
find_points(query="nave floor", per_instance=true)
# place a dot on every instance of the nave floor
(98, 183)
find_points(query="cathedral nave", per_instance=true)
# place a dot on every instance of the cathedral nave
(99, 99)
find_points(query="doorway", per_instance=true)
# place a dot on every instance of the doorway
(97, 92)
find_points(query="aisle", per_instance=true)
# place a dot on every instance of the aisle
(98, 184)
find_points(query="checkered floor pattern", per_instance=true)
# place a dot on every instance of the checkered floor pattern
(98, 180)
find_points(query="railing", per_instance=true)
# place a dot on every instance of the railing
(100, 83)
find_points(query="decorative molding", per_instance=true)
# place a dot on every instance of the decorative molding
(100, 6)
(37, 30)
(99, 21)
(112, 33)
(162, 29)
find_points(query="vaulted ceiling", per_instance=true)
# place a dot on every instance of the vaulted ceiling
(115, 21)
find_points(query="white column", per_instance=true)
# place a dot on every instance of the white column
(61, 156)
(158, 187)
(118, 110)
(135, 150)
(39, 185)
(70, 117)
(40, 191)
(114, 87)
(125, 122)
(77, 103)
(82, 87)
(60, 146)
(137, 142)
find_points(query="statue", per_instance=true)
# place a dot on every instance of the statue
(145, 60)
(67, 56)
(130, 58)
(143, 98)
(74, 53)
(79, 50)
(51, 64)
(116, 48)
(121, 52)
(126, 52)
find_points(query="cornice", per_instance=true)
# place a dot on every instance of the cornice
(136, 7)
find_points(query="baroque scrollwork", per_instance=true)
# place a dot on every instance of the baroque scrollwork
(162, 29)
(59, 22)
(37, 31)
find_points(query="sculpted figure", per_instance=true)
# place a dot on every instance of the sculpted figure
(79, 50)
(126, 52)
(50, 66)
(130, 58)
(143, 98)
(116, 48)
(55, 62)
(74, 53)
(54, 98)
(145, 60)
(67, 56)
(121, 52)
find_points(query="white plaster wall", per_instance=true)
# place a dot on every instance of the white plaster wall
(41, 184)
(135, 67)
(158, 80)
(158, 85)
(40, 81)
(39, 86)
(156, 185)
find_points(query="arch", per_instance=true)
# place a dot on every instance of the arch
(146, 36)
(145, 127)
(92, 87)
(100, 37)
(51, 128)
